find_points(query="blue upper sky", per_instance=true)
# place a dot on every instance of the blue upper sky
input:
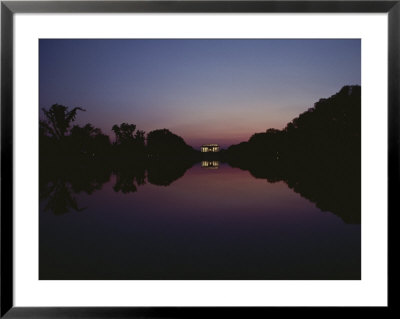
(207, 91)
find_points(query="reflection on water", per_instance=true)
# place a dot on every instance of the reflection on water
(59, 188)
(123, 223)
(210, 164)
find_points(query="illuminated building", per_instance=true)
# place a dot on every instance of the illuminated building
(210, 148)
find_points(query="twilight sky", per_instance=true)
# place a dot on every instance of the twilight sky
(207, 91)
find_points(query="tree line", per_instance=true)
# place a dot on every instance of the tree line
(59, 137)
(329, 130)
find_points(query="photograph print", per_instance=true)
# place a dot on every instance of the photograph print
(199, 159)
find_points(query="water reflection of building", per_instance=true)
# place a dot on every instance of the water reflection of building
(210, 148)
(210, 164)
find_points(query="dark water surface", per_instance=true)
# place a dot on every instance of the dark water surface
(214, 222)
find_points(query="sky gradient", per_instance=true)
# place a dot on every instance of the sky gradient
(206, 91)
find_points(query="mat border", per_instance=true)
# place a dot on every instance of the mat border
(9, 8)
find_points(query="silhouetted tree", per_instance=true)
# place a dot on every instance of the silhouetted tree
(58, 119)
(165, 143)
(54, 130)
(140, 140)
(128, 142)
(124, 133)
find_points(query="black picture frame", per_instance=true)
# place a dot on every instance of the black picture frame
(9, 8)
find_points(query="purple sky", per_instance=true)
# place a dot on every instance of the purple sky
(207, 91)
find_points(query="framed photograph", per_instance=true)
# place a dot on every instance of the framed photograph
(188, 158)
